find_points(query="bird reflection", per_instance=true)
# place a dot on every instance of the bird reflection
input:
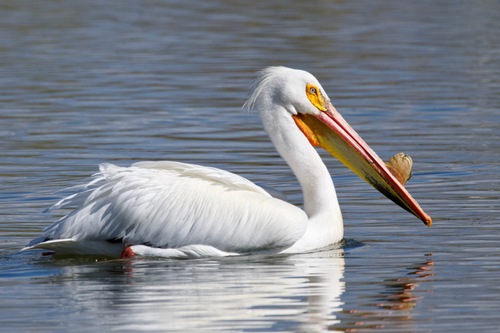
(400, 291)
(261, 292)
(391, 307)
(304, 293)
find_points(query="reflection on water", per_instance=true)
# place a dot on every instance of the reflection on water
(228, 294)
(267, 293)
(391, 309)
(89, 82)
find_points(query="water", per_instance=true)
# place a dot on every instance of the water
(87, 82)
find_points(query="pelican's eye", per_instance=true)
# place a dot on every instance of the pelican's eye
(315, 97)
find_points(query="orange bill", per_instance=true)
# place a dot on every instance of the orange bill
(331, 132)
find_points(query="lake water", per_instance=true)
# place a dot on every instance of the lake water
(86, 82)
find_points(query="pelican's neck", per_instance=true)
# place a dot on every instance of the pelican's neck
(325, 224)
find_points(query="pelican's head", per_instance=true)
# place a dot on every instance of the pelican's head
(298, 94)
(294, 91)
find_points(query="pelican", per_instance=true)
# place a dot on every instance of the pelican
(173, 209)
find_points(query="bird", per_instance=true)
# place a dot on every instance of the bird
(179, 210)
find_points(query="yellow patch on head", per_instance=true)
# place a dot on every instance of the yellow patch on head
(314, 95)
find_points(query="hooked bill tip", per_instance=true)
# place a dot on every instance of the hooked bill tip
(427, 220)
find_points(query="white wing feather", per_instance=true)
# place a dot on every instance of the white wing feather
(171, 205)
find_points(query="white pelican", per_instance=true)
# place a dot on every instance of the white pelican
(174, 209)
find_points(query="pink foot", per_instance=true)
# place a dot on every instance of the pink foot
(127, 253)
